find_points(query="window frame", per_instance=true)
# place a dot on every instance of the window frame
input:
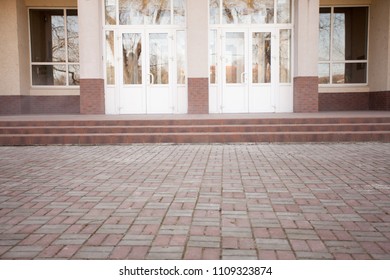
(331, 61)
(66, 63)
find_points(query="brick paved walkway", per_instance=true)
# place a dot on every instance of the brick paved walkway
(308, 201)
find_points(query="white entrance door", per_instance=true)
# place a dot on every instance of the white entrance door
(146, 84)
(235, 72)
(249, 71)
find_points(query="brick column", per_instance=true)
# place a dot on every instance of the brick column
(91, 53)
(306, 56)
(197, 49)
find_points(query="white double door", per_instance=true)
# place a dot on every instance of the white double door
(147, 68)
(248, 72)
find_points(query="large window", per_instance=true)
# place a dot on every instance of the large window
(140, 12)
(54, 47)
(343, 45)
(250, 11)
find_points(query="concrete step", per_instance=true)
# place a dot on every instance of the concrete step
(227, 130)
(194, 128)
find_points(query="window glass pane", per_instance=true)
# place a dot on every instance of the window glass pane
(261, 57)
(47, 36)
(324, 73)
(350, 33)
(235, 57)
(284, 11)
(157, 12)
(159, 57)
(179, 12)
(214, 12)
(74, 75)
(349, 73)
(45, 75)
(110, 58)
(180, 56)
(262, 11)
(132, 60)
(131, 12)
(110, 12)
(248, 11)
(73, 35)
(213, 56)
(324, 39)
(285, 56)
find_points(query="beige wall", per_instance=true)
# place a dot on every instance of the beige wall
(23, 47)
(306, 38)
(90, 34)
(197, 39)
(379, 46)
(9, 56)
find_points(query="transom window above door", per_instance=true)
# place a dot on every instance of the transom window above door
(250, 11)
(145, 12)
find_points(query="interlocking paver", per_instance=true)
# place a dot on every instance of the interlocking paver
(238, 201)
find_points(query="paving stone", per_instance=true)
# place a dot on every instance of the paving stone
(238, 201)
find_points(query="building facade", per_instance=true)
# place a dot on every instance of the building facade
(193, 57)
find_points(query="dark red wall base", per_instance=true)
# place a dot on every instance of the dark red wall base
(16, 105)
(355, 101)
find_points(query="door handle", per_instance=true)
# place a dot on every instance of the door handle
(151, 81)
(243, 77)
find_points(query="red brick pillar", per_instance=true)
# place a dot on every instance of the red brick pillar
(198, 95)
(306, 44)
(91, 53)
(92, 96)
(305, 94)
(197, 50)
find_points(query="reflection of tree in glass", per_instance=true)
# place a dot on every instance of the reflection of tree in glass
(59, 39)
(132, 67)
(159, 58)
(248, 11)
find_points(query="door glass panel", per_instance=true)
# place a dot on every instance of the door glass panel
(261, 57)
(214, 11)
(157, 12)
(285, 56)
(213, 56)
(132, 61)
(248, 11)
(159, 58)
(235, 57)
(180, 56)
(130, 12)
(110, 12)
(284, 11)
(110, 58)
(179, 12)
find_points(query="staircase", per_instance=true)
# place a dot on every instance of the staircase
(77, 131)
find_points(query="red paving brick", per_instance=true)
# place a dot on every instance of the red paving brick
(242, 201)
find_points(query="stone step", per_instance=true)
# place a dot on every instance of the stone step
(194, 128)
(226, 137)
